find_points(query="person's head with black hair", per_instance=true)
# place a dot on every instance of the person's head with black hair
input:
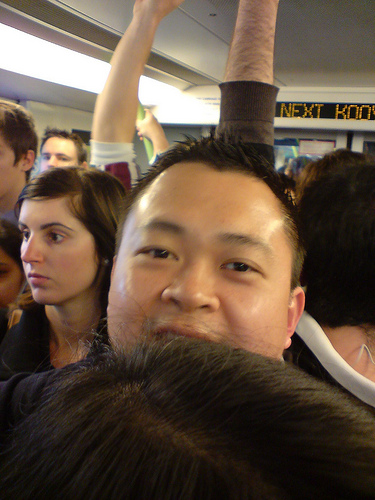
(335, 161)
(190, 419)
(337, 216)
(209, 244)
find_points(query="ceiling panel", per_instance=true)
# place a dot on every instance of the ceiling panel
(320, 43)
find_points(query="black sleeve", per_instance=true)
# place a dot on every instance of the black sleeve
(247, 113)
(19, 396)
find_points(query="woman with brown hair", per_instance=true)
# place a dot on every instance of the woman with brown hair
(68, 218)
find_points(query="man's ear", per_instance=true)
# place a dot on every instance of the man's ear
(295, 310)
(84, 164)
(27, 160)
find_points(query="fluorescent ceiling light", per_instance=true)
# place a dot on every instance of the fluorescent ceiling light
(31, 56)
(153, 93)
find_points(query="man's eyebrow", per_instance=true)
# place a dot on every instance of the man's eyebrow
(245, 240)
(163, 225)
(47, 225)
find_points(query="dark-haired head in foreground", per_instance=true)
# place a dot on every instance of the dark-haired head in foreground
(191, 420)
(209, 247)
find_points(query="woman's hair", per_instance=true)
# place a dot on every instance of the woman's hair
(95, 199)
(190, 420)
(10, 241)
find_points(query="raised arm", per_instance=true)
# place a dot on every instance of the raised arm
(116, 107)
(151, 129)
(248, 95)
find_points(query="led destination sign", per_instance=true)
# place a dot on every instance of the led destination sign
(360, 112)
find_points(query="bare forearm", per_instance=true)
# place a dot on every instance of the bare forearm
(151, 129)
(116, 107)
(252, 49)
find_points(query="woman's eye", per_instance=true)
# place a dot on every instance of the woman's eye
(237, 266)
(55, 237)
(25, 235)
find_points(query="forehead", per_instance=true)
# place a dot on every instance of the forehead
(205, 197)
(43, 211)
(60, 145)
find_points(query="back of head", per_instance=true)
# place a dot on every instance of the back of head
(335, 161)
(191, 420)
(70, 136)
(96, 199)
(18, 129)
(337, 216)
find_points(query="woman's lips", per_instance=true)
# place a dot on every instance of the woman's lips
(36, 279)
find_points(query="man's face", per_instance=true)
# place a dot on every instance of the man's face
(204, 253)
(58, 152)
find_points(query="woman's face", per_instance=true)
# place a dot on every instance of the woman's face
(11, 279)
(58, 253)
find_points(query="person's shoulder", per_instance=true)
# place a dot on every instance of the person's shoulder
(20, 395)
(25, 347)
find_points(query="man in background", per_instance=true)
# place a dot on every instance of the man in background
(18, 149)
(60, 148)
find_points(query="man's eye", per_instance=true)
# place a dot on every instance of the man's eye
(157, 253)
(237, 266)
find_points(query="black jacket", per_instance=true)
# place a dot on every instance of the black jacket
(25, 347)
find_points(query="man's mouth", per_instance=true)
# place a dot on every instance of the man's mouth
(165, 329)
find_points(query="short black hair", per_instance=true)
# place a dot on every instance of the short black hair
(226, 155)
(333, 161)
(187, 419)
(337, 214)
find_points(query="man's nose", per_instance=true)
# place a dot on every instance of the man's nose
(193, 288)
(53, 161)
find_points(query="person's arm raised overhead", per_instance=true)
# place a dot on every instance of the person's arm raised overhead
(248, 95)
(150, 128)
(116, 107)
